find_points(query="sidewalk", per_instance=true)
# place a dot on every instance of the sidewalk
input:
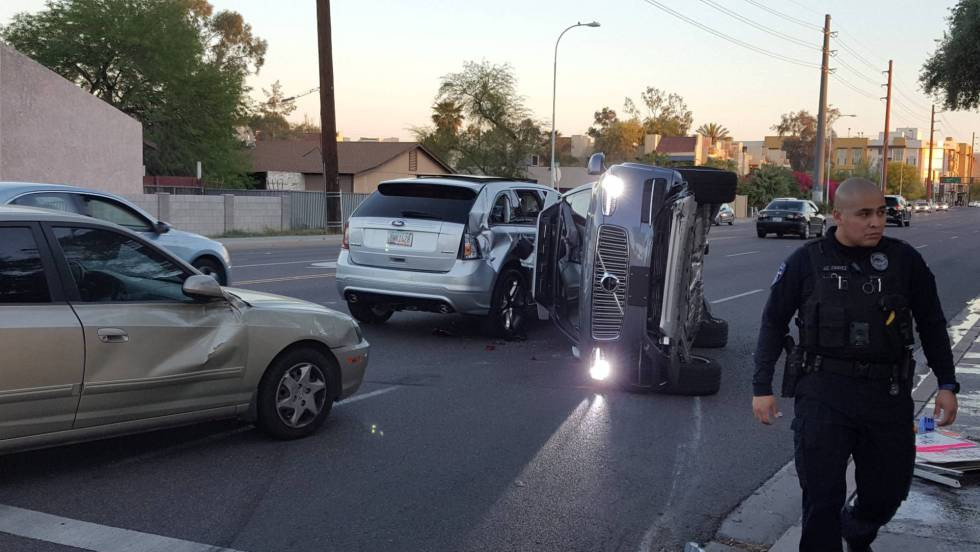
(933, 518)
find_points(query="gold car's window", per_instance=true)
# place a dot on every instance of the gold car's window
(22, 277)
(108, 266)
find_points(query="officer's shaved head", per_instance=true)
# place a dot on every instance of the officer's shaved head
(853, 191)
(859, 210)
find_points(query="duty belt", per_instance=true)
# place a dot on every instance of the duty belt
(852, 368)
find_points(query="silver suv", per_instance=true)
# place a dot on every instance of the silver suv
(444, 244)
(618, 268)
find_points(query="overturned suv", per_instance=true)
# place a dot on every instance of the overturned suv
(618, 268)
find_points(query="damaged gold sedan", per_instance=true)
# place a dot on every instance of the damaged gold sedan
(102, 334)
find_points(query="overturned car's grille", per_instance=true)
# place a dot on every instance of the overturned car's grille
(609, 283)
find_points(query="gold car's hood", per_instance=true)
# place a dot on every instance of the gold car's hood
(260, 300)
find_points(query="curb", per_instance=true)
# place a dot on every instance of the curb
(768, 519)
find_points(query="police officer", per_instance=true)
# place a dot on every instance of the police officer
(855, 293)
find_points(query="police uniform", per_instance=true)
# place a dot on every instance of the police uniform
(855, 307)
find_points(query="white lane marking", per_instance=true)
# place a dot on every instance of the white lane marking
(325, 264)
(723, 238)
(954, 238)
(282, 263)
(283, 279)
(356, 398)
(754, 291)
(91, 536)
(739, 254)
(921, 246)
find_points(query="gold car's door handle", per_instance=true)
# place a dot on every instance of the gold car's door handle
(113, 335)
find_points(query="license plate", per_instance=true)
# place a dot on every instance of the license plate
(777, 219)
(400, 237)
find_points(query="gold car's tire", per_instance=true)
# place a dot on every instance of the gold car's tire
(296, 393)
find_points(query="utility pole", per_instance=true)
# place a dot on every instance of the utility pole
(884, 144)
(822, 112)
(969, 185)
(328, 114)
(932, 130)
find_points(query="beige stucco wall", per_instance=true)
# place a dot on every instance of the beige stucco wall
(53, 131)
(368, 181)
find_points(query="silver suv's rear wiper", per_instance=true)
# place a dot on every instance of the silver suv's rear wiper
(420, 214)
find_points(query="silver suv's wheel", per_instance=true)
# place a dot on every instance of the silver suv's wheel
(509, 304)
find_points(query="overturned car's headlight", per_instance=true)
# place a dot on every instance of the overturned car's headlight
(600, 367)
(612, 188)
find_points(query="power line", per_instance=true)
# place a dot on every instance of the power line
(855, 71)
(731, 39)
(856, 55)
(785, 16)
(761, 27)
(910, 110)
(855, 88)
(910, 100)
(805, 7)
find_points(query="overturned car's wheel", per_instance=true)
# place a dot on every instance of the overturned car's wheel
(509, 305)
(295, 394)
(712, 333)
(700, 376)
(368, 313)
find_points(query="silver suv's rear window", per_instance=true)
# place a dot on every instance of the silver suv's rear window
(891, 201)
(419, 201)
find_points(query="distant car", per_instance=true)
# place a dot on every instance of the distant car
(206, 255)
(899, 211)
(103, 334)
(942, 206)
(975, 204)
(725, 215)
(447, 244)
(791, 216)
(922, 206)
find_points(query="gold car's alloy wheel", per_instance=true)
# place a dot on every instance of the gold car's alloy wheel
(301, 394)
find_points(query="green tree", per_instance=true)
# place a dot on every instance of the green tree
(714, 131)
(448, 117)
(173, 65)
(767, 182)
(903, 179)
(800, 132)
(862, 169)
(269, 119)
(499, 135)
(667, 114)
(952, 72)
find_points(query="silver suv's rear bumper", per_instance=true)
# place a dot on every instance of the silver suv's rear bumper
(466, 288)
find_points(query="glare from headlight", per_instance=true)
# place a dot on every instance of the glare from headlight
(612, 188)
(600, 368)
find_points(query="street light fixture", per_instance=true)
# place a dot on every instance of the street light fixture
(554, 87)
(830, 156)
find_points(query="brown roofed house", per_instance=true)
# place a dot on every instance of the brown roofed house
(297, 165)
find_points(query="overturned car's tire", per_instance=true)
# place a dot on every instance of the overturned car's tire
(700, 376)
(712, 333)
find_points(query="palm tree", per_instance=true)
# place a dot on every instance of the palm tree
(448, 116)
(714, 131)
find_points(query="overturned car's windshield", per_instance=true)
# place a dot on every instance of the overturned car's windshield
(891, 201)
(785, 206)
(419, 201)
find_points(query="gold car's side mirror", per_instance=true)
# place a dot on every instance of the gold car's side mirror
(200, 286)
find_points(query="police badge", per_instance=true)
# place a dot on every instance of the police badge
(879, 261)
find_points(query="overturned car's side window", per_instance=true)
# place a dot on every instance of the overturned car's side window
(528, 207)
(579, 202)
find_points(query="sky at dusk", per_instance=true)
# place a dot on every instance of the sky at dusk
(389, 56)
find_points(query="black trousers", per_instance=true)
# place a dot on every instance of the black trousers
(838, 417)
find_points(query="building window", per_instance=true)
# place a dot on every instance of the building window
(841, 157)
(413, 161)
(856, 156)
(535, 161)
(898, 155)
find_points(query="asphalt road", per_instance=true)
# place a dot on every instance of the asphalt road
(460, 442)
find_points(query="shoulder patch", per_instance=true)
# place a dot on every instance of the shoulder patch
(779, 274)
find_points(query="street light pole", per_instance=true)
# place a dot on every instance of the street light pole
(554, 88)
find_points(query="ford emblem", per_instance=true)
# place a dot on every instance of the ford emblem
(398, 223)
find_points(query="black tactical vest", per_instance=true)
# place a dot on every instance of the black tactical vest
(858, 310)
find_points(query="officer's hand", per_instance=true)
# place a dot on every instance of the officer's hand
(945, 401)
(765, 408)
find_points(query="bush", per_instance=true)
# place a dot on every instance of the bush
(767, 182)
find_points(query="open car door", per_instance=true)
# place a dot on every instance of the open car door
(558, 267)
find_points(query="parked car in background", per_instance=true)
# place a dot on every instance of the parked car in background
(204, 254)
(619, 270)
(899, 211)
(799, 217)
(922, 206)
(725, 215)
(452, 243)
(942, 206)
(975, 204)
(103, 333)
